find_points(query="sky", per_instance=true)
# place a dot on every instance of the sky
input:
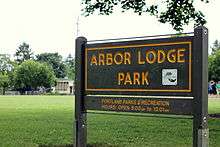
(51, 25)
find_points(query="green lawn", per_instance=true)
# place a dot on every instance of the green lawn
(29, 121)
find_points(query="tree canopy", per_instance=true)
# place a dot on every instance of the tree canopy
(214, 66)
(30, 75)
(6, 68)
(70, 67)
(55, 61)
(28, 72)
(23, 53)
(214, 62)
(5, 63)
(175, 12)
(4, 82)
(215, 47)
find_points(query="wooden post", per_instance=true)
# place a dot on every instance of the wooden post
(80, 115)
(200, 91)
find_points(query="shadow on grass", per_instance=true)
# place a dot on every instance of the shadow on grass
(64, 145)
(215, 115)
(88, 145)
(101, 145)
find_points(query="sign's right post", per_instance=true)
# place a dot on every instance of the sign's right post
(200, 85)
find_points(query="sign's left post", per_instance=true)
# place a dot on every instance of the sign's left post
(80, 112)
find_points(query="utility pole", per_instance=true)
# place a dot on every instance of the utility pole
(77, 27)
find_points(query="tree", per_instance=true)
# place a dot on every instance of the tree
(70, 67)
(6, 68)
(23, 53)
(5, 63)
(214, 66)
(215, 47)
(55, 61)
(177, 12)
(4, 82)
(31, 74)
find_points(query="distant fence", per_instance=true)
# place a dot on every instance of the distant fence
(35, 93)
(26, 93)
(12, 93)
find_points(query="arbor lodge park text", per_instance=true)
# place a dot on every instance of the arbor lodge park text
(148, 57)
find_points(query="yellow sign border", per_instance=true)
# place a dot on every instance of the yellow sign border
(135, 89)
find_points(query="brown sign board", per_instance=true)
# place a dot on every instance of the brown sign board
(165, 105)
(152, 67)
(160, 76)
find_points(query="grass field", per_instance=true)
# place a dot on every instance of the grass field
(29, 121)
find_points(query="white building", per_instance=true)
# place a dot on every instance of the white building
(64, 86)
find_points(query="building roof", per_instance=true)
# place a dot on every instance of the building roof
(64, 80)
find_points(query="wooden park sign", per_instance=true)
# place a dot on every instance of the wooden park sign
(160, 75)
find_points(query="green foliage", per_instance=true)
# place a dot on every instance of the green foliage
(214, 66)
(5, 63)
(215, 47)
(70, 67)
(4, 82)
(31, 75)
(214, 62)
(55, 61)
(23, 53)
(6, 70)
(177, 12)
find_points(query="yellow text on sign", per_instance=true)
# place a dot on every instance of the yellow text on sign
(150, 56)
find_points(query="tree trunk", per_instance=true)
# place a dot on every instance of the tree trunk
(22, 92)
(3, 90)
